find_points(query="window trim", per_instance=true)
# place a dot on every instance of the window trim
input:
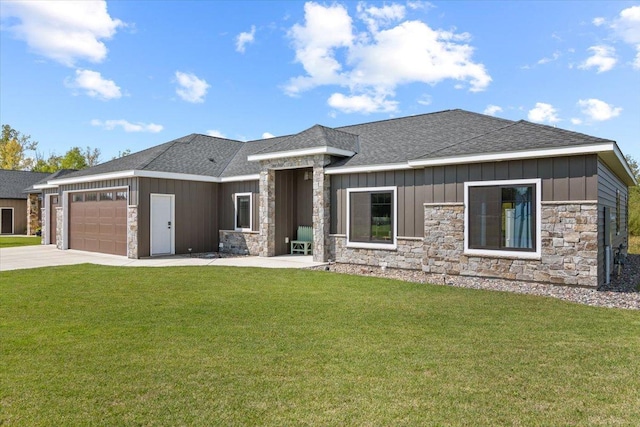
(366, 245)
(235, 211)
(537, 183)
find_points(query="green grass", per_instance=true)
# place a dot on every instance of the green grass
(634, 245)
(85, 345)
(12, 241)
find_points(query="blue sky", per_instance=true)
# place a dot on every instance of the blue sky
(133, 74)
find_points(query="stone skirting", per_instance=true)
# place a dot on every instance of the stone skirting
(132, 231)
(240, 242)
(569, 253)
(44, 229)
(408, 255)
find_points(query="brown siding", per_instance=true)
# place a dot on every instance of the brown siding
(226, 207)
(196, 214)
(563, 179)
(294, 206)
(19, 214)
(608, 185)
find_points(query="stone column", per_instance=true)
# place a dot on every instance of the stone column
(267, 212)
(43, 229)
(33, 211)
(132, 231)
(321, 209)
(59, 227)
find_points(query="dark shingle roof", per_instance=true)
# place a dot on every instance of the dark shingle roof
(193, 154)
(436, 135)
(14, 183)
(315, 137)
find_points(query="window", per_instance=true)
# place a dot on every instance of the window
(106, 196)
(91, 197)
(503, 218)
(121, 195)
(77, 197)
(243, 211)
(371, 217)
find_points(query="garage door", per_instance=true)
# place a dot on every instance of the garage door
(98, 221)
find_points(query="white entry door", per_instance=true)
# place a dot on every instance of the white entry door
(162, 224)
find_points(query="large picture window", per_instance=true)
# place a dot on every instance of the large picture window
(502, 217)
(371, 221)
(243, 211)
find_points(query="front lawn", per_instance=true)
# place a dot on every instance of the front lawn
(95, 345)
(12, 241)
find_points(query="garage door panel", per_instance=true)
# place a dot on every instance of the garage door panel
(98, 225)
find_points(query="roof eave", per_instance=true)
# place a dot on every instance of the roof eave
(333, 151)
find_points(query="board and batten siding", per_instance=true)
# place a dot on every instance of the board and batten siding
(196, 214)
(226, 203)
(570, 178)
(608, 186)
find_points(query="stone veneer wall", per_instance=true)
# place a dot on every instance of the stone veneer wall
(59, 227)
(408, 255)
(43, 229)
(240, 242)
(321, 202)
(132, 231)
(33, 214)
(568, 255)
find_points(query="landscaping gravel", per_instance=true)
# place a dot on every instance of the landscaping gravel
(622, 292)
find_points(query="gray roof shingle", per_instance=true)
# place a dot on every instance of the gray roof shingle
(14, 183)
(441, 134)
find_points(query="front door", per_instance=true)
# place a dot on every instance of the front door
(162, 224)
(6, 221)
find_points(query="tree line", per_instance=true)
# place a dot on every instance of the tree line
(14, 154)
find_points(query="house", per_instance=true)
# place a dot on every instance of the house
(448, 193)
(19, 210)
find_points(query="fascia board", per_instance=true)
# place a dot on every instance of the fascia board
(299, 153)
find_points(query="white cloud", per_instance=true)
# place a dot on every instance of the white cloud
(361, 104)
(603, 58)
(245, 38)
(94, 85)
(267, 135)
(424, 100)
(598, 21)
(384, 16)
(598, 110)
(417, 4)
(627, 27)
(190, 87)
(373, 63)
(543, 113)
(576, 121)
(547, 59)
(216, 133)
(492, 110)
(65, 31)
(127, 126)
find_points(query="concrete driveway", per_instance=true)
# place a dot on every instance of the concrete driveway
(49, 256)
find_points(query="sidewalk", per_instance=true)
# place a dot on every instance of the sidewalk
(48, 256)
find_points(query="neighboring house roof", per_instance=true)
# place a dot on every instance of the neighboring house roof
(13, 183)
(395, 143)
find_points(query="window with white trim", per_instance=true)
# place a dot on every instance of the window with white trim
(503, 218)
(372, 217)
(243, 211)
